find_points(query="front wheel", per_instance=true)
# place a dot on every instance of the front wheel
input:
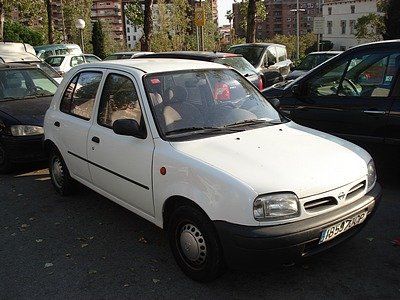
(59, 174)
(195, 244)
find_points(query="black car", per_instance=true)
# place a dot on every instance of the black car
(25, 95)
(355, 95)
(235, 61)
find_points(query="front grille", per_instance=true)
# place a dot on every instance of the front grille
(356, 190)
(320, 204)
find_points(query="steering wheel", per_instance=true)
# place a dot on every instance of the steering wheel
(352, 85)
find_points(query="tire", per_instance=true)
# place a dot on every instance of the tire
(195, 244)
(5, 165)
(59, 174)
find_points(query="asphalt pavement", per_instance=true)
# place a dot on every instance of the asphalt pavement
(86, 246)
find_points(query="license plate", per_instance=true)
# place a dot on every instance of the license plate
(342, 226)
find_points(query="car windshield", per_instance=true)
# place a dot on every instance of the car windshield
(55, 61)
(239, 63)
(19, 84)
(251, 53)
(313, 60)
(194, 103)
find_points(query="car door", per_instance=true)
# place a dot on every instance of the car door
(75, 118)
(351, 97)
(121, 165)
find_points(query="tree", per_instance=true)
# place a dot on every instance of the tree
(392, 20)
(370, 27)
(148, 25)
(260, 14)
(16, 32)
(50, 25)
(251, 22)
(98, 40)
(134, 13)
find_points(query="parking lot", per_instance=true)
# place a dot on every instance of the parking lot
(88, 247)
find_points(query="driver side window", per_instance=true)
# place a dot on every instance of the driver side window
(368, 75)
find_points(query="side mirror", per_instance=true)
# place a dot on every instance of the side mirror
(129, 127)
(275, 102)
(295, 90)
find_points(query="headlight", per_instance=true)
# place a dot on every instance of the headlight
(371, 176)
(276, 207)
(24, 130)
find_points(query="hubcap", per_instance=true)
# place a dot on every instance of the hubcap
(192, 244)
(57, 172)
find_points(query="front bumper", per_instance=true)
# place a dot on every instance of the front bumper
(23, 148)
(252, 247)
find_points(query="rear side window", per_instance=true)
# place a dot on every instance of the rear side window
(78, 99)
(55, 61)
(77, 60)
(238, 63)
(281, 53)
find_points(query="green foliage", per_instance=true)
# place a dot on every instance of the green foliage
(370, 27)
(261, 12)
(392, 19)
(308, 43)
(134, 13)
(16, 32)
(98, 40)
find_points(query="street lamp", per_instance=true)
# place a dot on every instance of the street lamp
(80, 24)
(298, 10)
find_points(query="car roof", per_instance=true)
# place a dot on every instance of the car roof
(205, 55)
(64, 55)
(18, 56)
(17, 66)
(258, 45)
(55, 46)
(156, 65)
(326, 52)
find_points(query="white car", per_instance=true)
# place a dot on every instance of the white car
(194, 148)
(64, 63)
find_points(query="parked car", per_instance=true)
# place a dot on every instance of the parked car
(30, 59)
(12, 47)
(25, 95)
(269, 59)
(45, 51)
(355, 95)
(236, 61)
(125, 55)
(310, 62)
(230, 179)
(91, 58)
(63, 63)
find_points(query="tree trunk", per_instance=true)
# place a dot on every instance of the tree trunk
(50, 28)
(148, 25)
(251, 22)
(392, 20)
(1, 21)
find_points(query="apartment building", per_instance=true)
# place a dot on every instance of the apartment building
(340, 19)
(110, 11)
(281, 18)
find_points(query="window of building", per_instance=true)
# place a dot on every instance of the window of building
(329, 25)
(329, 10)
(353, 9)
(352, 26)
(129, 38)
(128, 29)
(343, 25)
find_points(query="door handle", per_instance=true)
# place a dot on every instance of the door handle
(57, 124)
(374, 112)
(96, 140)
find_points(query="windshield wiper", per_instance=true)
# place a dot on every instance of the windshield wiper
(204, 129)
(253, 122)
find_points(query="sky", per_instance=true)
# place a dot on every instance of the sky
(223, 6)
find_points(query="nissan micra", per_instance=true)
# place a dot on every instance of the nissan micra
(195, 148)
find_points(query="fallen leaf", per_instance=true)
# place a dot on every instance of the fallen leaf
(84, 245)
(24, 226)
(370, 239)
(156, 280)
(31, 219)
(92, 271)
(67, 255)
(142, 240)
(57, 223)
(126, 285)
(39, 240)
(19, 195)
(13, 234)
(48, 265)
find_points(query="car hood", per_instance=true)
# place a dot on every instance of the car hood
(28, 111)
(286, 157)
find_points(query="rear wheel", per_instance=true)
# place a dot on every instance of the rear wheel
(195, 244)
(60, 177)
(5, 165)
